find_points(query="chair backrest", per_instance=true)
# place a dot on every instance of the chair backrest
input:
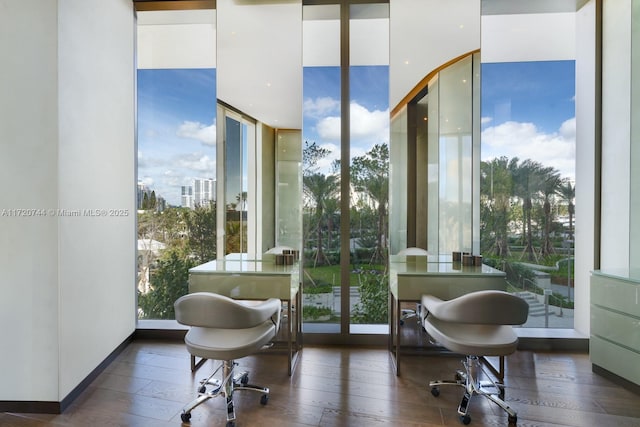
(209, 310)
(483, 307)
(413, 251)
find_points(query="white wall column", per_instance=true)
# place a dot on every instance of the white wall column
(67, 208)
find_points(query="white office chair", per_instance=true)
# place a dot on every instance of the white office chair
(477, 324)
(225, 329)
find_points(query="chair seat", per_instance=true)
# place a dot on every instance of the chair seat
(465, 338)
(228, 344)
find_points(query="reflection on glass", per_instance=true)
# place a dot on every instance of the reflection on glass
(455, 157)
(289, 189)
(236, 185)
(398, 159)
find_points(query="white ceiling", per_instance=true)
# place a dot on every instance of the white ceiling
(257, 47)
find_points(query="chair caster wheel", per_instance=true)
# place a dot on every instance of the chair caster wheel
(465, 419)
(245, 379)
(435, 391)
(185, 416)
(513, 419)
(231, 424)
(202, 389)
(264, 399)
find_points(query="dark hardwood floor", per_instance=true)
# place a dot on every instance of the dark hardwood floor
(148, 384)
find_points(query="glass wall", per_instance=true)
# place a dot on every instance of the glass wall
(176, 168)
(321, 134)
(528, 160)
(345, 241)
(368, 166)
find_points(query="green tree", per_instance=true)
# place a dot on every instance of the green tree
(201, 228)
(550, 183)
(370, 176)
(374, 293)
(322, 192)
(153, 203)
(145, 201)
(320, 188)
(568, 193)
(496, 186)
(169, 281)
(527, 185)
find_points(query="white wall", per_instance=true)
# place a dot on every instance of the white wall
(585, 163)
(28, 172)
(616, 116)
(96, 171)
(424, 35)
(66, 142)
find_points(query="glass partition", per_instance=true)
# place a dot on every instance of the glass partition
(289, 189)
(239, 141)
(528, 170)
(398, 182)
(455, 157)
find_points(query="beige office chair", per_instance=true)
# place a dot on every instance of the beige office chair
(225, 329)
(477, 324)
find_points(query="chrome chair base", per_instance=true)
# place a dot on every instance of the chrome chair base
(211, 387)
(469, 380)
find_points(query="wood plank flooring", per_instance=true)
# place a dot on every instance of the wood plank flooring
(148, 384)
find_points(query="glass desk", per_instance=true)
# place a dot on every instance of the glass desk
(240, 278)
(413, 276)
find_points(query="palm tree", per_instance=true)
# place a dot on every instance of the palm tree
(370, 175)
(551, 181)
(527, 181)
(568, 194)
(496, 186)
(319, 188)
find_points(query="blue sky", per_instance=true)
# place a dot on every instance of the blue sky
(528, 111)
(369, 108)
(176, 128)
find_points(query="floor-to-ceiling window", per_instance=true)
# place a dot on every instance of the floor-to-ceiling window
(345, 166)
(321, 134)
(528, 177)
(176, 141)
(368, 166)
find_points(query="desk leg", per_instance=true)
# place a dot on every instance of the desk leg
(289, 337)
(293, 333)
(398, 336)
(394, 333)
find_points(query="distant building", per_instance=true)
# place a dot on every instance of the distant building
(146, 193)
(186, 199)
(204, 191)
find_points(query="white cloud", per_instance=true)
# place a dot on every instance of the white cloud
(197, 162)
(329, 128)
(372, 125)
(324, 164)
(485, 120)
(525, 141)
(198, 131)
(320, 107)
(147, 181)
